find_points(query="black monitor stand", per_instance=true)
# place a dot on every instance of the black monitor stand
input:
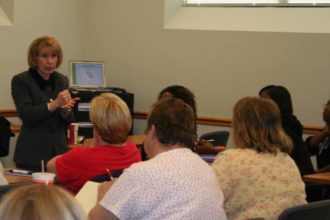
(81, 109)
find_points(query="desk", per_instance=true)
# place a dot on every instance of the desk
(318, 178)
(137, 139)
(17, 179)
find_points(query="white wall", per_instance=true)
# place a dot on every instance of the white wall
(219, 66)
(63, 19)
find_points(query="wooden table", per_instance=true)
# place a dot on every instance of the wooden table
(17, 179)
(318, 178)
(137, 139)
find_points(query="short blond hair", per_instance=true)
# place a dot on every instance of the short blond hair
(257, 125)
(37, 202)
(111, 118)
(42, 42)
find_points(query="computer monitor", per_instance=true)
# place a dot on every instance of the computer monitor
(87, 74)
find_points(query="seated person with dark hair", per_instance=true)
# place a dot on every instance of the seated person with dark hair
(319, 144)
(187, 96)
(112, 122)
(291, 125)
(174, 183)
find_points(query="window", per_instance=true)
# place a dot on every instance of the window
(285, 3)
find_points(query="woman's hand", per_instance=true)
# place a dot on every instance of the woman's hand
(103, 188)
(70, 103)
(64, 101)
(63, 97)
(206, 147)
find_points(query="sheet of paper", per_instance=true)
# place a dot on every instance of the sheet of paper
(87, 196)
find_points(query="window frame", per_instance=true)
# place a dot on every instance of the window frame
(252, 3)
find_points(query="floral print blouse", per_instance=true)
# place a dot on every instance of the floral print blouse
(258, 184)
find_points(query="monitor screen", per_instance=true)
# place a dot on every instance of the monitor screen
(87, 74)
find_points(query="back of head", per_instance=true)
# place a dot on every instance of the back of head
(281, 96)
(111, 118)
(257, 125)
(39, 202)
(180, 92)
(183, 93)
(174, 122)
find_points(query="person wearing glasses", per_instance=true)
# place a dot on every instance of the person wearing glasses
(319, 144)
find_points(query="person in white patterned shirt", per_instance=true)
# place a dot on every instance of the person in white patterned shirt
(174, 183)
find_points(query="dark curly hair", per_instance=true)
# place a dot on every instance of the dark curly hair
(181, 92)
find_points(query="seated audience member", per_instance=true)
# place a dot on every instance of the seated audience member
(174, 183)
(258, 177)
(180, 92)
(320, 144)
(291, 125)
(184, 94)
(40, 202)
(112, 122)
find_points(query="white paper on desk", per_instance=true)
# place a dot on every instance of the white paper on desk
(87, 196)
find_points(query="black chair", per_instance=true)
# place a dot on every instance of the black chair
(317, 191)
(105, 177)
(315, 210)
(217, 138)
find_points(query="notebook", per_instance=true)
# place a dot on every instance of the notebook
(87, 75)
(87, 196)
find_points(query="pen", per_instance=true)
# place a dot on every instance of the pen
(109, 174)
(210, 140)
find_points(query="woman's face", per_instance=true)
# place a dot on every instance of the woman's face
(47, 62)
(326, 112)
(167, 95)
(264, 95)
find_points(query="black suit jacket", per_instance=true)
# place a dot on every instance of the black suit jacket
(43, 133)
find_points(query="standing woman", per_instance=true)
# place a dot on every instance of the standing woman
(43, 103)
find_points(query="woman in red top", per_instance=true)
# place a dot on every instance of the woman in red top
(112, 122)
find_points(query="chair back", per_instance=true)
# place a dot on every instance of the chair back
(315, 210)
(217, 138)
